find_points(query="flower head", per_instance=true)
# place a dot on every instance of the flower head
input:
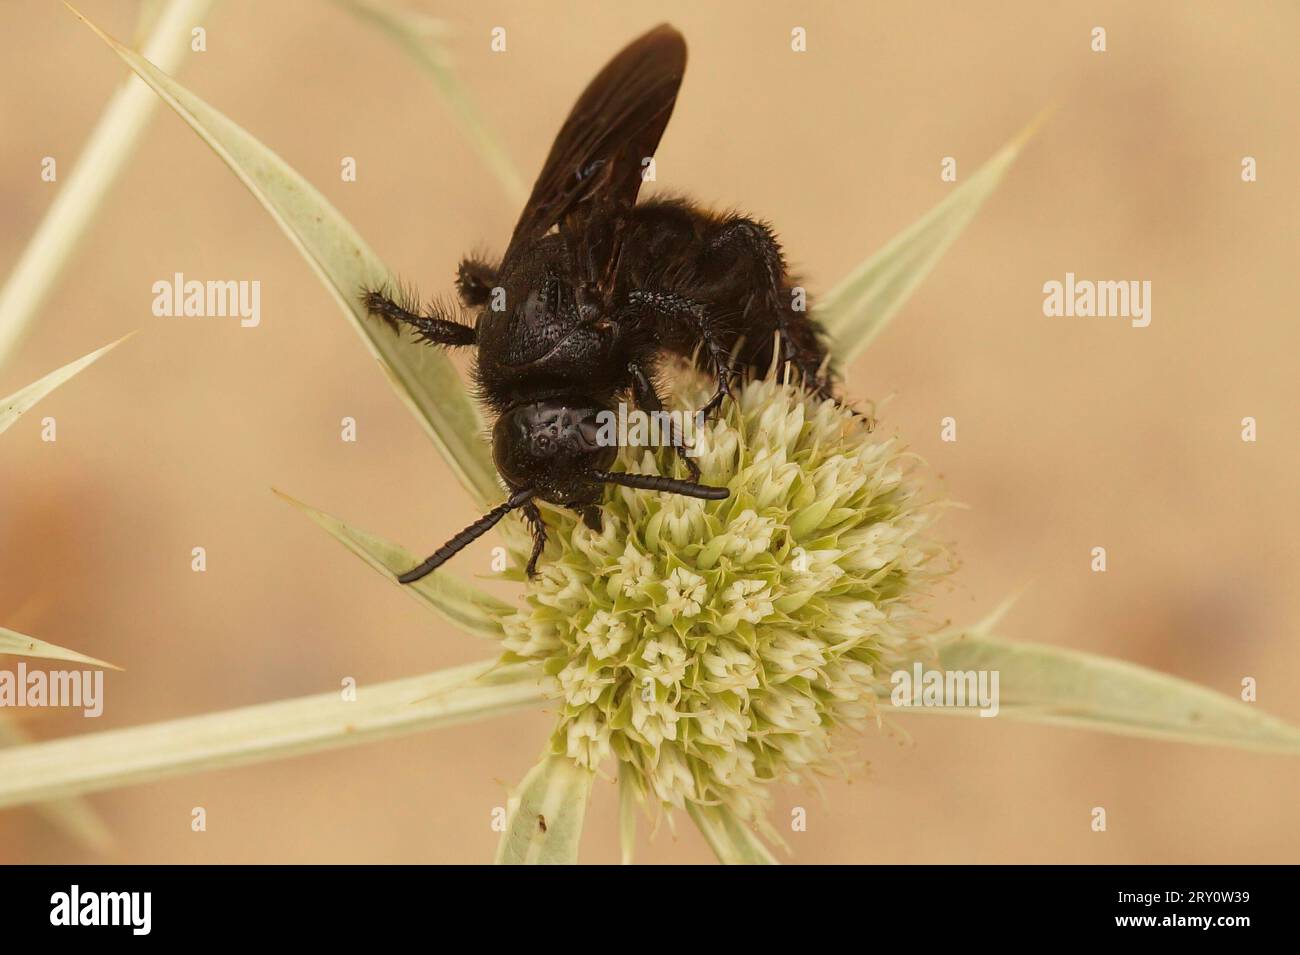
(716, 646)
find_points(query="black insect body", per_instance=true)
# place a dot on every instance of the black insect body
(594, 289)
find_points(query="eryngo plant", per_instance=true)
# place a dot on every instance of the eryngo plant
(715, 646)
(1039, 682)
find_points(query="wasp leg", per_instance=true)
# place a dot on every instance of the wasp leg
(706, 327)
(724, 371)
(648, 400)
(749, 251)
(719, 358)
(592, 517)
(475, 280)
(538, 526)
(431, 328)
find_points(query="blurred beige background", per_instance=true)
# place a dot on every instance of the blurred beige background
(1073, 433)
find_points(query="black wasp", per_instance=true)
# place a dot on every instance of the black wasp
(594, 289)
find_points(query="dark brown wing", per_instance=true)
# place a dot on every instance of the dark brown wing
(596, 159)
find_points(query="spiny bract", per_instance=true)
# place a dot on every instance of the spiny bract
(715, 646)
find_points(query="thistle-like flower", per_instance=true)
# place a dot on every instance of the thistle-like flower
(713, 647)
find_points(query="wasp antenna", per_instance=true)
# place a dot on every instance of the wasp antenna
(466, 537)
(653, 482)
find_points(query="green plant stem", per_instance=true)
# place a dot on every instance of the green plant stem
(251, 734)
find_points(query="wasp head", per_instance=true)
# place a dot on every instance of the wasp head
(554, 447)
